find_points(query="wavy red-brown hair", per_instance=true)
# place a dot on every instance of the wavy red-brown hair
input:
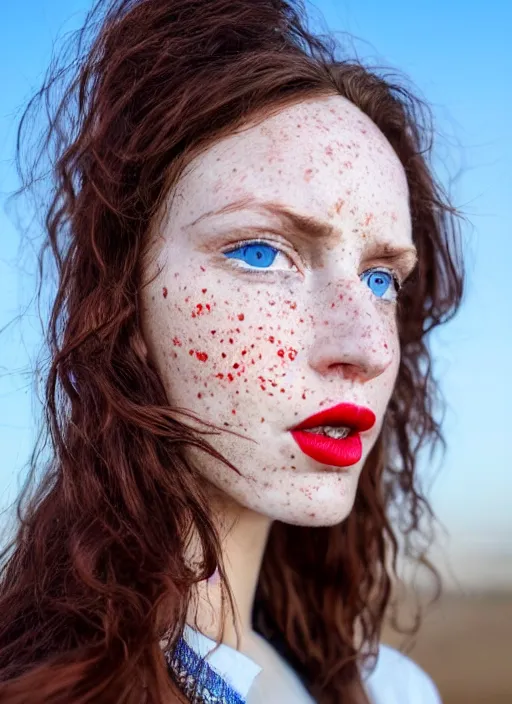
(87, 591)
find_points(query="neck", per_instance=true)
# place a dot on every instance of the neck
(244, 536)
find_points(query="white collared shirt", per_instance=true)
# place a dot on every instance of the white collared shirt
(396, 679)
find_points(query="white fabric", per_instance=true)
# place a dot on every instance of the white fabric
(234, 667)
(396, 679)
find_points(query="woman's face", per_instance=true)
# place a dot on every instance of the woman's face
(275, 300)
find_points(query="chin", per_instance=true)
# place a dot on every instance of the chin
(316, 517)
(324, 500)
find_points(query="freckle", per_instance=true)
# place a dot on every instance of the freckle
(165, 292)
(262, 420)
(241, 316)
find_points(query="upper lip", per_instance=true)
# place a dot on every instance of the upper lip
(348, 415)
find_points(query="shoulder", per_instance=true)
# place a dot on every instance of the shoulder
(396, 679)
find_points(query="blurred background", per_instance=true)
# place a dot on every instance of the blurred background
(457, 56)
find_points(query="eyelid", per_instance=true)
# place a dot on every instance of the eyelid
(400, 267)
(278, 245)
(381, 267)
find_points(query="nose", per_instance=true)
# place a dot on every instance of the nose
(351, 335)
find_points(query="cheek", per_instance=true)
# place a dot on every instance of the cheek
(233, 341)
(391, 343)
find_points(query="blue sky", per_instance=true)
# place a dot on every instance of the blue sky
(457, 55)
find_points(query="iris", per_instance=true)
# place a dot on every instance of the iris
(256, 254)
(379, 282)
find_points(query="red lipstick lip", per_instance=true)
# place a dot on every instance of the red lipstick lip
(330, 451)
(344, 414)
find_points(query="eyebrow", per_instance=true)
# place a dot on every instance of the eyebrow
(305, 227)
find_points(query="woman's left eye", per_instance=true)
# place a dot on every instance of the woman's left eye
(382, 283)
(256, 255)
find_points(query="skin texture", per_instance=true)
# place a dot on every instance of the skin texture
(257, 352)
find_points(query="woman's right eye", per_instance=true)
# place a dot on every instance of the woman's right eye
(257, 255)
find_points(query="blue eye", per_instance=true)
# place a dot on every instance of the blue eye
(382, 283)
(257, 254)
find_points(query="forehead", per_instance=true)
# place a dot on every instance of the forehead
(311, 156)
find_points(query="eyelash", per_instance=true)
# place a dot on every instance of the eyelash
(254, 271)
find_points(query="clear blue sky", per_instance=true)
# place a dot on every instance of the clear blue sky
(457, 54)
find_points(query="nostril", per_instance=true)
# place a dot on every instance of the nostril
(353, 372)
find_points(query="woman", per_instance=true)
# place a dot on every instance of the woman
(251, 250)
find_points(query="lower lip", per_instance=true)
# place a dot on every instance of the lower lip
(337, 453)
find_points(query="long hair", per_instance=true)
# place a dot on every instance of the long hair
(87, 591)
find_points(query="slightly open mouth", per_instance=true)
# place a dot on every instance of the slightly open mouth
(331, 451)
(331, 431)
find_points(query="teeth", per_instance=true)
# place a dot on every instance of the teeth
(337, 433)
